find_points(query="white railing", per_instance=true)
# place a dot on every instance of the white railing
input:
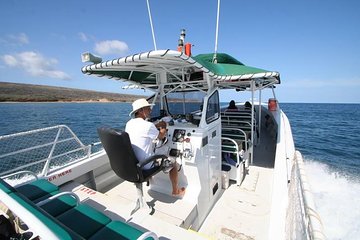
(41, 151)
(303, 222)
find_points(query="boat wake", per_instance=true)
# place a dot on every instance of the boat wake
(336, 197)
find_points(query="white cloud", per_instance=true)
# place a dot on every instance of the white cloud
(15, 39)
(35, 64)
(111, 47)
(83, 37)
(9, 60)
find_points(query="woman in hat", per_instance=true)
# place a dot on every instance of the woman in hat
(142, 134)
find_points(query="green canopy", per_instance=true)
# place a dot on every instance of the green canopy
(183, 73)
(226, 65)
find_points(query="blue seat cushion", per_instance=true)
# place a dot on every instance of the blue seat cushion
(61, 231)
(117, 230)
(84, 220)
(38, 189)
(59, 205)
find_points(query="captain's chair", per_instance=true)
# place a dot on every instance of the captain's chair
(124, 162)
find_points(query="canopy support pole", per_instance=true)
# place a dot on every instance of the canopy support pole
(151, 24)
(260, 110)
(217, 32)
(252, 122)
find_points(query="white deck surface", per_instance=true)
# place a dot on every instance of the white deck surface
(167, 208)
(242, 212)
(118, 203)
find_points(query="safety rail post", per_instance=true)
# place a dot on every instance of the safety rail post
(47, 163)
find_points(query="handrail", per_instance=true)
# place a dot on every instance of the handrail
(238, 130)
(62, 145)
(230, 134)
(34, 147)
(33, 131)
(315, 226)
(41, 203)
(300, 198)
(47, 160)
(236, 145)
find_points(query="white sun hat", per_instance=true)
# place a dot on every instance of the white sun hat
(138, 104)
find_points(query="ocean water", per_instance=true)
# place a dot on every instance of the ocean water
(82, 118)
(327, 135)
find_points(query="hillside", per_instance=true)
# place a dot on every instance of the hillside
(16, 92)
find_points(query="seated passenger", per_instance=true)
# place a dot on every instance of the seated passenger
(142, 136)
(247, 105)
(232, 107)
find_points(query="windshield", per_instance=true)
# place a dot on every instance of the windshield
(179, 104)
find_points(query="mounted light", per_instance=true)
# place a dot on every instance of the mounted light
(88, 57)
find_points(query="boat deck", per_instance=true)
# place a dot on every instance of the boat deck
(119, 202)
(167, 208)
(242, 212)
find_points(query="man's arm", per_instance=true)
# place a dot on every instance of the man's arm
(161, 127)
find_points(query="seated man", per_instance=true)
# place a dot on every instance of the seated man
(142, 135)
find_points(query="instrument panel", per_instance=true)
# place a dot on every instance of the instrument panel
(179, 135)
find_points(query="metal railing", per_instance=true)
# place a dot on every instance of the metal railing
(41, 151)
(303, 220)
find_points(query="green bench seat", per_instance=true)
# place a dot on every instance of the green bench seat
(59, 205)
(57, 229)
(84, 220)
(64, 217)
(116, 230)
(38, 190)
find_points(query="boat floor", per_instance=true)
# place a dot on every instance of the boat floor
(164, 217)
(168, 208)
(242, 212)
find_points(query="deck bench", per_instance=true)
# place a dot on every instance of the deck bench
(59, 205)
(38, 190)
(64, 217)
(36, 218)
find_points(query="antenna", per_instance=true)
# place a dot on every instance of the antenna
(217, 32)
(181, 41)
(151, 24)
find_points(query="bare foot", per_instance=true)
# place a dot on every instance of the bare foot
(179, 193)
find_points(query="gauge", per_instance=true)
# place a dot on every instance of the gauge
(179, 135)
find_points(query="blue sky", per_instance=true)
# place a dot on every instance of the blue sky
(314, 44)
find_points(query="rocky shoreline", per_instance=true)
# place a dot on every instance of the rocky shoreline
(18, 92)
